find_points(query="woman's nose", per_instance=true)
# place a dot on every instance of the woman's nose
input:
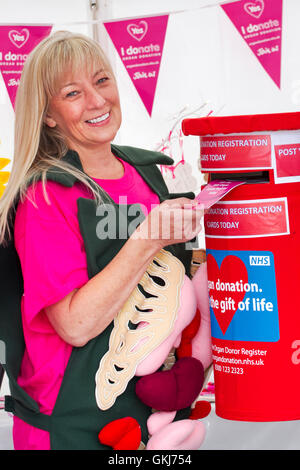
(95, 98)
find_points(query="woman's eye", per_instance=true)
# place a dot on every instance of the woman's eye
(102, 80)
(71, 93)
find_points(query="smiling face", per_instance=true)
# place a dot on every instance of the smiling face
(86, 108)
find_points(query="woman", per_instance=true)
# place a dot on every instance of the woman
(76, 280)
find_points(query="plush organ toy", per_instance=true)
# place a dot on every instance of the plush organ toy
(178, 312)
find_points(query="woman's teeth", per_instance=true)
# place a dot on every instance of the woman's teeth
(99, 119)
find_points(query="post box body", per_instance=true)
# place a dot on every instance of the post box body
(253, 256)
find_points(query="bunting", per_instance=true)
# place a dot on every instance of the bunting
(16, 42)
(260, 24)
(140, 43)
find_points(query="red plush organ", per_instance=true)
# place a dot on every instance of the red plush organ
(174, 389)
(121, 434)
(201, 410)
(185, 347)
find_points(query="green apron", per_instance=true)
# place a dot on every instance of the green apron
(76, 419)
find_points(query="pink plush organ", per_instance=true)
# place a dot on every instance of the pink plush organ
(185, 315)
(201, 343)
(179, 435)
(177, 388)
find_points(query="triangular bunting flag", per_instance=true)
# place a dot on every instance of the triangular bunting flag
(260, 24)
(140, 43)
(4, 162)
(4, 175)
(16, 42)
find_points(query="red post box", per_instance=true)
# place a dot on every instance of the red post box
(252, 241)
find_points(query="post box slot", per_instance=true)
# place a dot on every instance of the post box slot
(251, 177)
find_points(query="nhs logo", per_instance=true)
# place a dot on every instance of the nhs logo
(259, 260)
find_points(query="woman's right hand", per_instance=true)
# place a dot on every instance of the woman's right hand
(172, 221)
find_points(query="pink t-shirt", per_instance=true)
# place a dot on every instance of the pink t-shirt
(53, 260)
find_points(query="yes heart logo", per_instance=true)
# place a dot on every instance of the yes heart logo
(255, 8)
(139, 31)
(18, 38)
(225, 289)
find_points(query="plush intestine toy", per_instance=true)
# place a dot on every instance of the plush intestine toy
(163, 315)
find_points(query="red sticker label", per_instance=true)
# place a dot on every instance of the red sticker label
(287, 160)
(235, 152)
(239, 219)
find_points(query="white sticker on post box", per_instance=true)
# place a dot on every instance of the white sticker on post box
(235, 152)
(247, 219)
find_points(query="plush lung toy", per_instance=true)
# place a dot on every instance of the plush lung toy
(168, 391)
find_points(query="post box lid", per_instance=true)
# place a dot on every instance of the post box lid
(245, 123)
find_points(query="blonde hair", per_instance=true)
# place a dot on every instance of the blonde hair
(38, 147)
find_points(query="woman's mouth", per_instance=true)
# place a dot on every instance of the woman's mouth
(99, 119)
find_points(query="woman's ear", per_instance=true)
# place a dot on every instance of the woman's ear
(49, 121)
